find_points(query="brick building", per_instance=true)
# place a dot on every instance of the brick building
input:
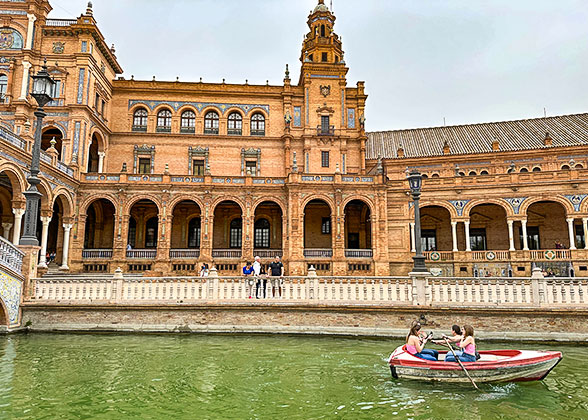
(162, 176)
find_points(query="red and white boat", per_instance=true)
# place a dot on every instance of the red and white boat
(493, 366)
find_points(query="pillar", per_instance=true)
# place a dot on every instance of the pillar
(44, 233)
(571, 232)
(525, 238)
(6, 230)
(30, 30)
(18, 213)
(64, 258)
(466, 224)
(412, 239)
(454, 235)
(585, 225)
(101, 161)
(25, 80)
(511, 246)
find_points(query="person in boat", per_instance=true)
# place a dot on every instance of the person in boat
(415, 344)
(468, 346)
(456, 335)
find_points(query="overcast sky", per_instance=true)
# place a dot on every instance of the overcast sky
(466, 61)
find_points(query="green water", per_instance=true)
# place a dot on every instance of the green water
(46, 376)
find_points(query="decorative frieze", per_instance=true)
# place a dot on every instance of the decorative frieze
(222, 107)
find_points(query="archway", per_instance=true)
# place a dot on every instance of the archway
(96, 147)
(267, 230)
(6, 215)
(186, 230)
(143, 225)
(436, 229)
(318, 240)
(55, 231)
(546, 226)
(3, 315)
(50, 134)
(100, 221)
(227, 230)
(488, 228)
(358, 228)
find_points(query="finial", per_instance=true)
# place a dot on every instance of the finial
(177, 78)
(223, 80)
(287, 73)
(154, 78)
(53, 142)
(132, 77)
(89, 9)
(112, 49)
(201, 80)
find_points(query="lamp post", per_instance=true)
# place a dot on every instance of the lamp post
(42, 89)
(415, 180)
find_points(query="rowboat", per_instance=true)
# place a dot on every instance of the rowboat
(493, 366)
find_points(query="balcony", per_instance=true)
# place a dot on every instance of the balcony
(325, 131)
(226, 253)
(318, 253)
(141, 254)
(268, 253)
(438, 255)
(211, 131)
(258, 133)
(184, 254)
(490, 255)
(187, 130)
(359, 253)
(163, 129)
(139, 128)
(97, 254)
(550, 254)
(234, 131)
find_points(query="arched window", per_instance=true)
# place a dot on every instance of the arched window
(140, 120)
(235, 233)
(187, 122)
(261, 234)
(235, 124)
(484, 172)
(258, 125)
(3, 87)
(524, 170)
(565, 168)
(194, 233)
(211, 122)
(435, 176)
(461, 174)
(472, 173)
(579, 166)
(151, 233)
(536, 169)
(164, 121)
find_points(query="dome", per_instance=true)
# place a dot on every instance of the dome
(321, 7)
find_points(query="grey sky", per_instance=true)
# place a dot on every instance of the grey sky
(422, 60)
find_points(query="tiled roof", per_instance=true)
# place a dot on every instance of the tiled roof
(565, 130)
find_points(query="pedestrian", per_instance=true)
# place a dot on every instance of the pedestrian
(204, 270)
(248, 274)
(52, 256)
(276, 272)
(260, 281)
(129, 247)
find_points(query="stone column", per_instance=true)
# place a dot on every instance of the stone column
(25, 80)
(511, 246)
(525, 237)
(65, 257)
(454, 235)
(18, 213)
(44, 233)
(585, 225)
(466, 224)
(570, 221)
(6, 230)
(412, 239)
(30, 29)
(101, 161)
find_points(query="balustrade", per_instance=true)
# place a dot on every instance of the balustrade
(144, 254)
(318, 252)
(268, 253)
(102, 254)
(226, 253)
(359, 253)
(10, 256)
(184, 253)
(550, 254)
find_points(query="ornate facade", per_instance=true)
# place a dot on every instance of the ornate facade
(161, 176)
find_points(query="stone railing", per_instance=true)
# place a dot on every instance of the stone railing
(268, 253)
(10, 256)
(438, 255)
(359, 253)
(318, 252)
(102, 254)
(550, 254)
(490, 255)
(12, 138)
(181, 254)
(226, 253)
(60, 22)
(492, 292)
(142, 254)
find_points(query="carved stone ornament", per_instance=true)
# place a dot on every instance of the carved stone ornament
(58, 47)
(325, 90)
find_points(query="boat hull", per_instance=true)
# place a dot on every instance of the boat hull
(505, 366)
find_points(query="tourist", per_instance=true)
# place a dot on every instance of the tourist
(129, 247)
(52, 257)
(468, 346)
(558, 245)
(248, 273)
(415, 344)
(204, 270)
(456, 336)
(276, 272)
(261, 282)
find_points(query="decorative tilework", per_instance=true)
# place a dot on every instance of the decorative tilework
(459, 205)
(351, 118)
(88, 87)
(222, 107)
(306, 106)
(342, 107)
(76, 141)
(81, 79)
(84, 46)
(323, 76)
(576, 200)
(10, 292)
(515, 203)
(297, 116)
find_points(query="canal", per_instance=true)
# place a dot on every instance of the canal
(91, 376)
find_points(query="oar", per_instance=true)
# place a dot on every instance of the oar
(461, 364)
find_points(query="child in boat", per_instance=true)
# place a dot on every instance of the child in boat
(468, 346)
(415, 344)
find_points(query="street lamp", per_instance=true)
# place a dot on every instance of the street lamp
(42, 89)
(415, 180)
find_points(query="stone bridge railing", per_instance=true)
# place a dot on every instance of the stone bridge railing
(423, 291)
(10, 256)
(11, 282)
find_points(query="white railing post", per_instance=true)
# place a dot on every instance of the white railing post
(538, 286)
(213, 282)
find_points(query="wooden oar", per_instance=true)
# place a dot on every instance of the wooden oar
(461, 364)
